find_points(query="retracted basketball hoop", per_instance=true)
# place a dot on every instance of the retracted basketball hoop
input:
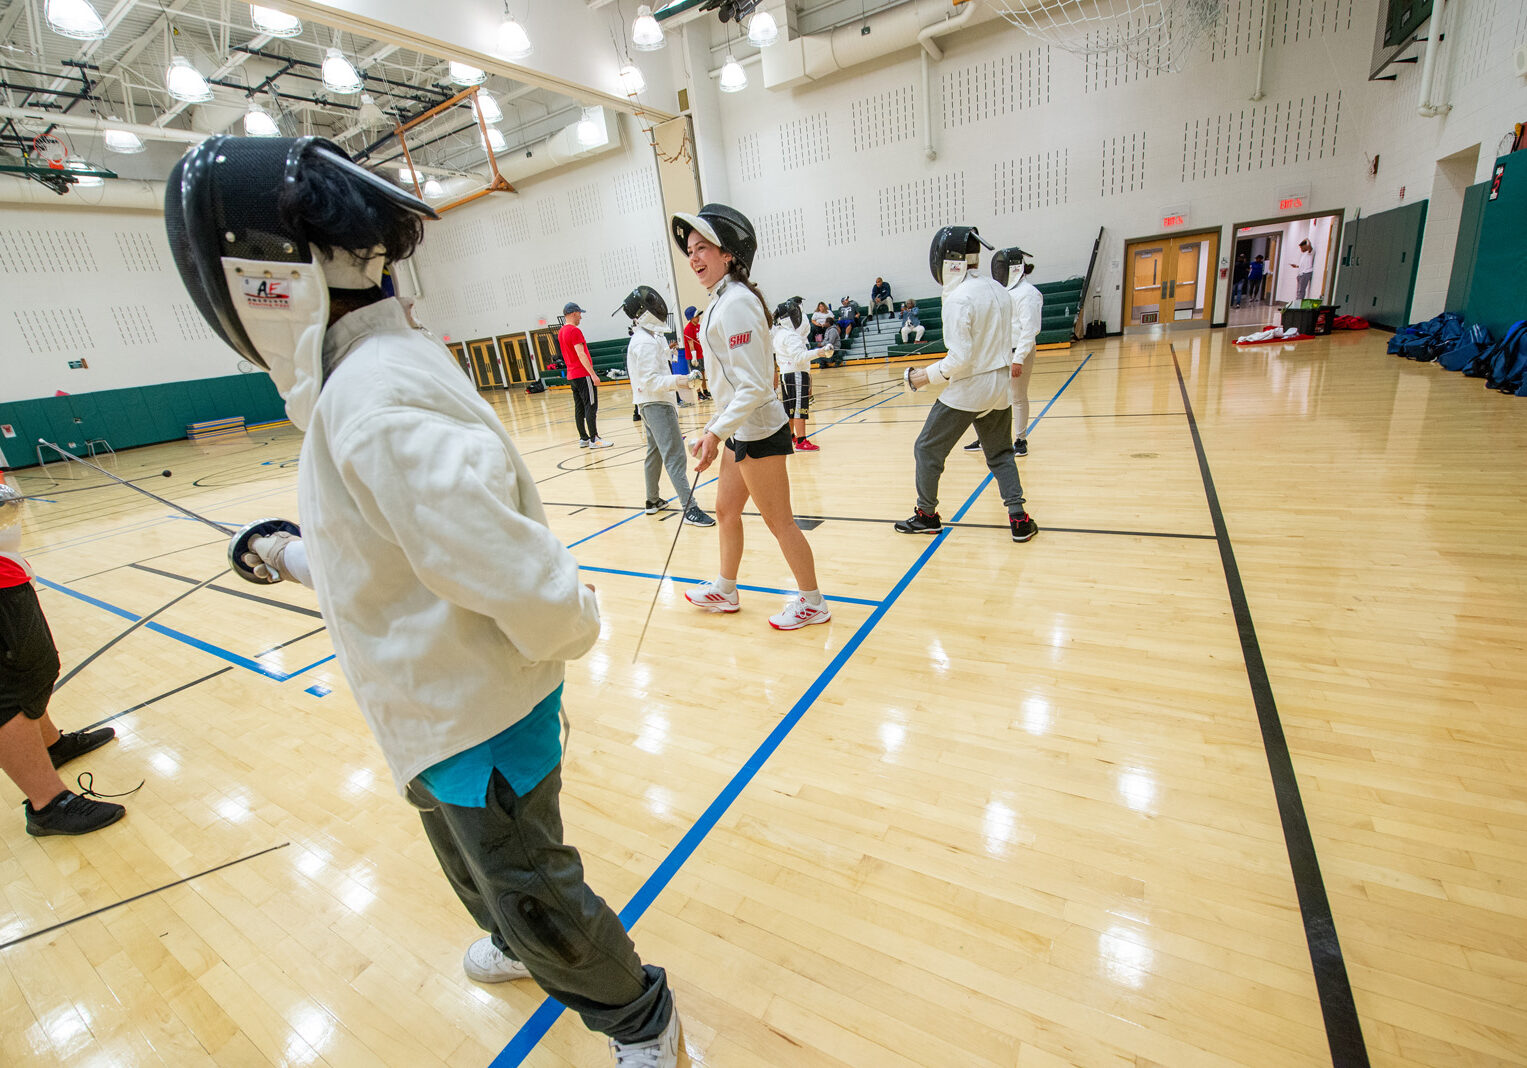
(47, 148)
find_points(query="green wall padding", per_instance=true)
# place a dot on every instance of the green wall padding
(1379, 257)
(143, 415)
(1461, 281)
(1498, 292)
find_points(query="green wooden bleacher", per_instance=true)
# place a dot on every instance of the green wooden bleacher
(607, 356)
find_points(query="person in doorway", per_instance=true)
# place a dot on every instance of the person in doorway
(31, 747)
(1238, 280)
(452, 607)
(793, 372)
(581, 377)
(1255, 273)
(1304, 265)
(880, 297)
(978, 330)
(910, 323)
(694, 352)
(652, 388)
(1011, 268)
(750, 431)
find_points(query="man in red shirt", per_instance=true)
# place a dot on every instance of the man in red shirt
(692, 350)
(31, 747)
(580, 375)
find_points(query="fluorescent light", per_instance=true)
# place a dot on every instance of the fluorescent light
(646, 34)
(733, 78)
(124, 142)
(762, 29)
(513, 41)
(258, 123)
(631, 80)
(74, 18)
(466, 74)
(338, 75)
(496, 140)
(407, 174)
(590, 132)
(185, 82)
(433, 189)
(488, 108)
(274, 23)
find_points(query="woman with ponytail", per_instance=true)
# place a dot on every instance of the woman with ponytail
(750, 431)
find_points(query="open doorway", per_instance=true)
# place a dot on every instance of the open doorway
(1267, 258)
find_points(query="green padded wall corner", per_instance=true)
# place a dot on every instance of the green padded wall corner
(1498, 295)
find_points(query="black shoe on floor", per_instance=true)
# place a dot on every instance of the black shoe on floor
(697, 518)
(653, 507)
(1023, 526)
(70, 813)
(1021, 446)
(73, 744)
(974, 446)
(636, 415)
(920, 523)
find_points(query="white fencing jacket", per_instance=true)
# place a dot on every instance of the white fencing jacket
(1028, 314)
(736, 333)
(790, 352)
(978, 330)
(450, 604)
(647, 363)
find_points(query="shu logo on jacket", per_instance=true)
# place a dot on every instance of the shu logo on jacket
(739, 339)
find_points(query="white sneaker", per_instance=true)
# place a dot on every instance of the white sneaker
(708, 595)
(583, 443)
(798, 613)
(661, 1052)
(486, 964)
(599, 443)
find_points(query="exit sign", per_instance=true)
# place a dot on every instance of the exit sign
(1289, 203)
(1172, 220)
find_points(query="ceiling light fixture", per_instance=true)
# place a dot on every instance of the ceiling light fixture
(513, 41)
(185, 82)
(646, 34)
(488, 108)
(466, 74)
(433, 189)
(123, 142)
(274, 23)
(84, 181)
(496, 140)
(733, 78)
(258, 123)
(338, 75)
(762, 29)
(74, 18)
(590, 132)
(631, 80)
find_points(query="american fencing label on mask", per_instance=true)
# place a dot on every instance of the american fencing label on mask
(267, 293)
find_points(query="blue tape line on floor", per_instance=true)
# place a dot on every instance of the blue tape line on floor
(740, 586)
(534, 1029)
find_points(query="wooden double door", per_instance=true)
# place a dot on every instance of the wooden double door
(496, 362)
(1169, 280)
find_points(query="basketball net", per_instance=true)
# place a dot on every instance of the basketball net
(51, 151)
(1157, 34)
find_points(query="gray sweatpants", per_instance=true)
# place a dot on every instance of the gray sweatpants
(942, 431)
(665, 448)
(522, 884)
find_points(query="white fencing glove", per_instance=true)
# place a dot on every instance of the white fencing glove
(269, 558)
(694, 378)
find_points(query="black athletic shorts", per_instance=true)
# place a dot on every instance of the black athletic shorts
(776, 444)
(28, 657)
(795, 390)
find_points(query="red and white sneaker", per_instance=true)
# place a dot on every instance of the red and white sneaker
(708, 596)
(798, 613)
(807, 445)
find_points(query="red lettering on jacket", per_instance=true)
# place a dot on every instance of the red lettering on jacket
(739, 339)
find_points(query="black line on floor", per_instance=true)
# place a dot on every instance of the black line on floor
(1344, 1031)
(309, 612)
(138, 897)
(153, 700)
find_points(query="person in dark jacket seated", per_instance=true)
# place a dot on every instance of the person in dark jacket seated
(880, 296)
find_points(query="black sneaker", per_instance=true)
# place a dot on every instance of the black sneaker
(73, 744)
(1021, 446)
(920, 523)
(653, 507)
(696, 518)
(974, 446)
(70, 813)
(636, 415)
(1023, 526)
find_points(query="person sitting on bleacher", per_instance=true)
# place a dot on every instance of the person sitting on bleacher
(833, 340)
(910, 321)
(821, 319)
(880, 294)
(848, 317)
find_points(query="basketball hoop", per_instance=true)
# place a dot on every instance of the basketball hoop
(50, 150)
(1157, 34)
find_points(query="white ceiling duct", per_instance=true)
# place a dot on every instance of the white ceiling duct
(800, 59)
(119, 195)
(37, 117)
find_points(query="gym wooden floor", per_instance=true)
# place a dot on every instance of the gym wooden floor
(1016, 805)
